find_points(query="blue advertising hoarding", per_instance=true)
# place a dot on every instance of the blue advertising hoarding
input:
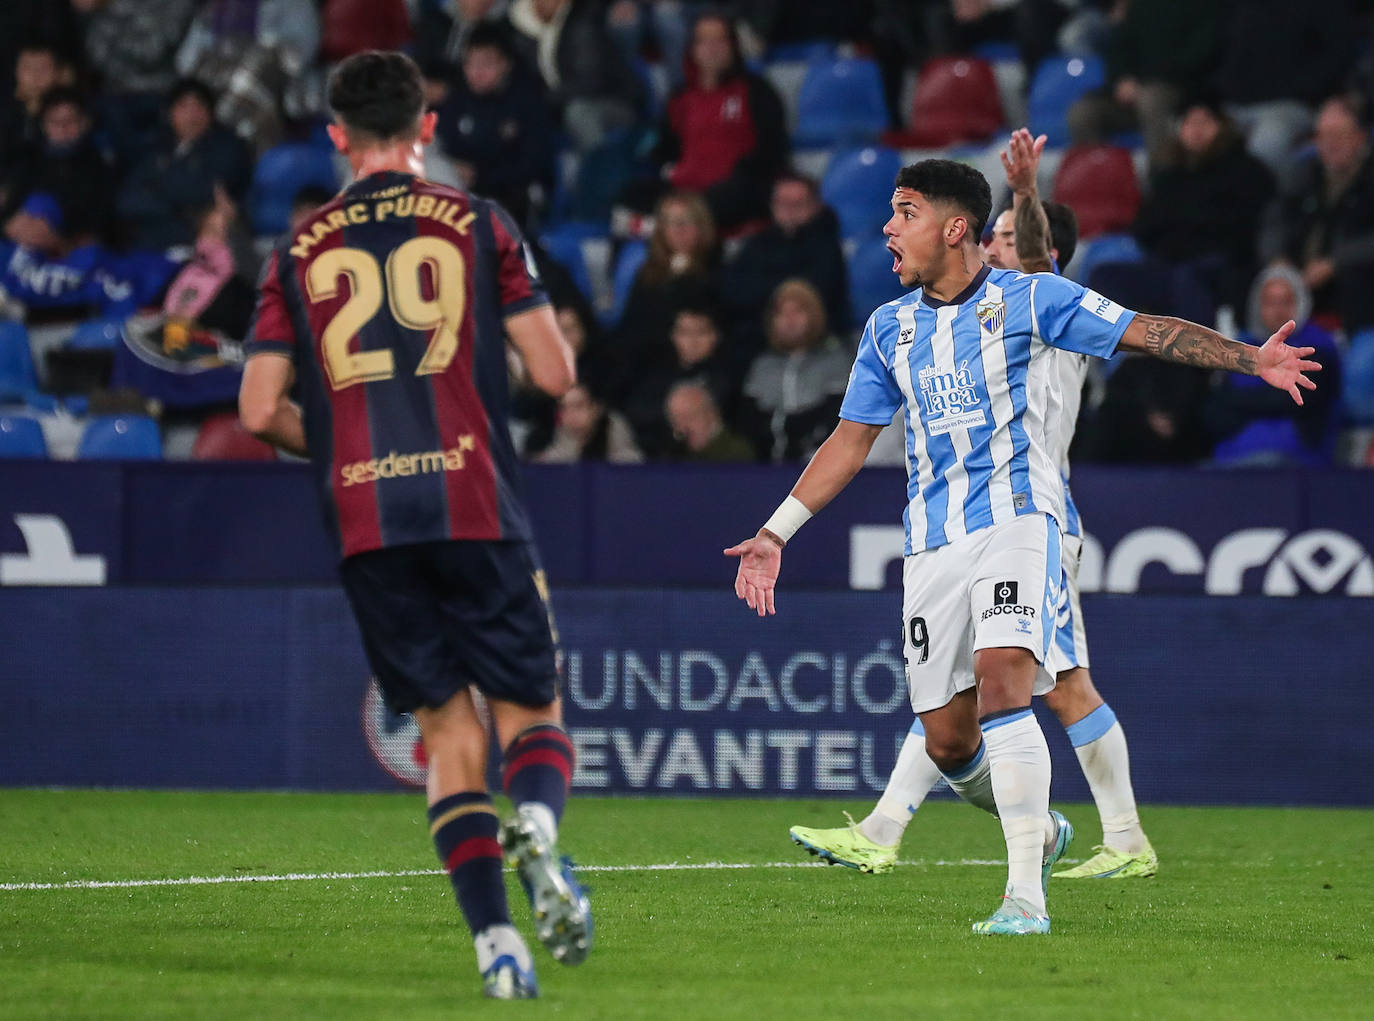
(1272, 532)
(1249, 700)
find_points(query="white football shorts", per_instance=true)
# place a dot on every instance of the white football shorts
(1070, 648)
(996, 588)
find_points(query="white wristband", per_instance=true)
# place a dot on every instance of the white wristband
(790, 515)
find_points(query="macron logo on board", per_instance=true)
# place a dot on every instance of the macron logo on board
(51, 558)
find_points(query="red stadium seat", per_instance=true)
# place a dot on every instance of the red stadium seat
(1099, 183)
(956, 100)
(223, 438)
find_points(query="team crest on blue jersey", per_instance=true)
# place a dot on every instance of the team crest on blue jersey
(991, 315)
(951, 399)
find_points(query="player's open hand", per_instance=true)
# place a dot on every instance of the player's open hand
(760, 560)
(1021, 160)
(1283, 367)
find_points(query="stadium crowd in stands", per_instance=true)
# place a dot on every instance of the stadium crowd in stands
(702, 186)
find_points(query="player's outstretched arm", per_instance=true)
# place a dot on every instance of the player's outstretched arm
(836, 462)
(264, 407)
(1021, 161)
(1177, 340)
(547, 355)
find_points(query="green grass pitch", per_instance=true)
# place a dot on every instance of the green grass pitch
(1255, 913)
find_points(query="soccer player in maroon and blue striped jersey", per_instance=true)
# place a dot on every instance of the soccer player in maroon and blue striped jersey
(389, 309)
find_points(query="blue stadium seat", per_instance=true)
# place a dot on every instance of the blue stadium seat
(282, 171)
(857, 187)
(17, 377)
(1105, 248)
(21, 437)
(1357, 379)
(1058, 82)
(627, 264)
(840, 102)
(871, 280)
(121, 438)
(101, 334)
(602, 174)
(564, 244)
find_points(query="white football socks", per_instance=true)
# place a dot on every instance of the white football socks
(1019, 761)
(1101, 747)
(912, 778)
(973, 782)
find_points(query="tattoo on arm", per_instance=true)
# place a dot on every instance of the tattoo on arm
(1177, 340)
(1032, 228)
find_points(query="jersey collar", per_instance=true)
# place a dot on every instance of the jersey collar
(968, 292)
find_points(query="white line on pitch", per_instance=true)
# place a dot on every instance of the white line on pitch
(306, 877)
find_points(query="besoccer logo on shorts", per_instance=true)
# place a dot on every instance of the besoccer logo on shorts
(1005, 601)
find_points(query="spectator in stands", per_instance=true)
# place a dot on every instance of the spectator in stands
(495, 124)
(588, 431)
(698, 429)
(802, 241)
(1275, 110)
(533, 413)
(256, 55)
(209, 301)
(49, 273)
(37, 224)
(1249, 427)
(1326, 221)
(664, 26)
(724, 133)
(1151, 413)
(166, 190)
(697, 356)
(959, 26)
(68, 166)
(38, 67)
(1155, 52)
(26, 23)
(679, 272)
(568, 42)
(793, 391)
(1204, 204)
(234, 26)
(131, 45)
(441, 38)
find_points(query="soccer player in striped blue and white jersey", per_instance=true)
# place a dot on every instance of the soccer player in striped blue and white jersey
(966, 355)
(1033, 237)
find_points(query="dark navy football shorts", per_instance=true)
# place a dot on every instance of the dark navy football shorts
(437, 617)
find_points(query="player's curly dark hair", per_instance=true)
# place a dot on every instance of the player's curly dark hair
(951, 181)
(1063, 230)
(379, 94)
